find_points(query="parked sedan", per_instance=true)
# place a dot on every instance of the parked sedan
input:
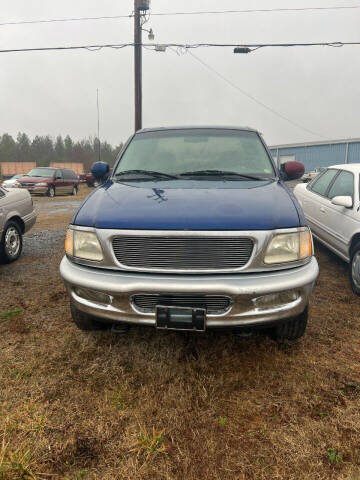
(50, 181)
(331, 206)
(17, 216)
(12, 182)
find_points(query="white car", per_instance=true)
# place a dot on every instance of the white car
(307, 177)
(331, 205)
(17, 216)
(11, 182)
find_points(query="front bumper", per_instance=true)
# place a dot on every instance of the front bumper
(29, 221)
(243, 289)
(35, 190)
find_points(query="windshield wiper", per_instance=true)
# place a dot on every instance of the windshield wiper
(145, 172)
(223, 173)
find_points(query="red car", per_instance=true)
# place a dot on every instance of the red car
(50, 181)
(90, 180)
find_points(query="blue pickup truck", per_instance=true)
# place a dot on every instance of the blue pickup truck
(194, 229)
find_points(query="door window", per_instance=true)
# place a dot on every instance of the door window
(343, 185)
(59, 175)
(323, 182)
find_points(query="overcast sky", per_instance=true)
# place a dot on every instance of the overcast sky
(55, 92)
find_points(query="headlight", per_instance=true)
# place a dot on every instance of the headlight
(41, 184)
(83, 244)
(289, 247)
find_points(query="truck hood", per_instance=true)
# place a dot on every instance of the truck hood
(164, 206)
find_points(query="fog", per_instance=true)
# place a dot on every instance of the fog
(55, 92)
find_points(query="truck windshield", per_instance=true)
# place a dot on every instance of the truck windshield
(41, 172)
(204, 152)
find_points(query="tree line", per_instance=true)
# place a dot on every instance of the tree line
(44, 150)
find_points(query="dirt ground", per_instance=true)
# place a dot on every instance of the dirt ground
(155, 405)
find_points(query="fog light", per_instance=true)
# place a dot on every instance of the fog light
(93, 295)
(275, 299)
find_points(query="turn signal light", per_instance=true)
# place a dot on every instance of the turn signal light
(69, 242)
(305, 245)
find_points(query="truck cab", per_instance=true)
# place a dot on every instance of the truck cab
(194, 229)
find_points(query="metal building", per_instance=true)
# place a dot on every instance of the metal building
(319, 154)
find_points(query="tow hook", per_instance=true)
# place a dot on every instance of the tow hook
(120, 328)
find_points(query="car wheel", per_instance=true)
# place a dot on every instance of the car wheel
(11, 243)
(74, 191)
(355, 269)
(292, 329)
(86, 322)
(96, 183)
(51, 192)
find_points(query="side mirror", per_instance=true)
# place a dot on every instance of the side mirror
(100, 170)
(342, 201)
(292, 170)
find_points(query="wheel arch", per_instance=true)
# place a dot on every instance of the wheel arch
(355, 239)
(18, 220)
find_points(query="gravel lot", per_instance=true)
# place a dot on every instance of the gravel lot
(43, 242)
(157, 405)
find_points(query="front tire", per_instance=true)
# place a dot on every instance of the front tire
(11, 243)
(74, 191)
(51, 192)
(96, 183)
(84, 321)
(354, 269)
(292, 329)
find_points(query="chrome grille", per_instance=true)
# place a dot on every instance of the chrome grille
(213, 304)
(183, 253)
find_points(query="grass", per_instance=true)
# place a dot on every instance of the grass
(167, 406)
(15, 465)
(149, 444)
(334, 456)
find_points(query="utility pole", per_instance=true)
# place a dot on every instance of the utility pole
(138, 65)
(98, 123)
(140, 7)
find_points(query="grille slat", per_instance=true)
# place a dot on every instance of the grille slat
(185, 253)
(214, 305)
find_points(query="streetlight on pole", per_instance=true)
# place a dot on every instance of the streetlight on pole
(140, 7)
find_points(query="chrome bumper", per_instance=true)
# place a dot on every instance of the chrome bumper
(36, 190)
(243, 289)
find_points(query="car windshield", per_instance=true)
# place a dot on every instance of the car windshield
(41, 172)
(197, 152)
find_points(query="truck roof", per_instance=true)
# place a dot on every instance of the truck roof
(197, 127)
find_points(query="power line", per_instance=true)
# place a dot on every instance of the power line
(185, 46)
(259, 10)
(251, 97)
(167, 14)
(76, 19)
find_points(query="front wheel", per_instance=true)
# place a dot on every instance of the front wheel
(11, 243)
(86, 322)
(51, 191)
(292, 329)
(74, 191)
(354, 270)
(96, 183)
